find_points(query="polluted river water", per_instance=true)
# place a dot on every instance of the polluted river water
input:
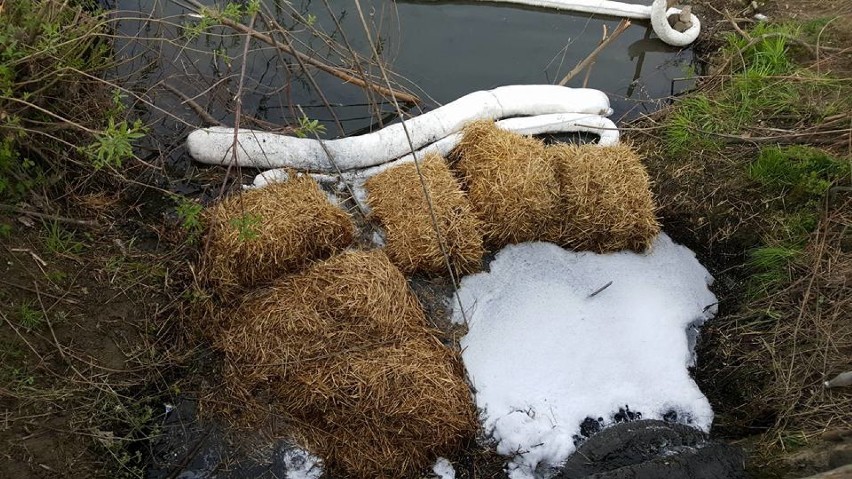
(439, 51)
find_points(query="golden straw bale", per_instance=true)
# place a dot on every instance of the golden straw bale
(342, 349)
(397, 201)
(358, 295)
(605, 197)
(386, 411)
(259, 235)
(511, 183)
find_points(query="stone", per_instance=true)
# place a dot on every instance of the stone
(653, 449)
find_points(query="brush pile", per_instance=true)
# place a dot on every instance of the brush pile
(511, 183)
(259, 235)
(397, 200)
(605, 199)
(343, 350)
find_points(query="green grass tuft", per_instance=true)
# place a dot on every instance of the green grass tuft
(770, 266)
(799, 170)
(766, 88)
(60, 241)
(29, 316)
(768, 51)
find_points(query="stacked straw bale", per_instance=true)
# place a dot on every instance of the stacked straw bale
(397, 200)
(583, 197)
(259, 235)
(511, 183)
(605, 198)
(343, 349)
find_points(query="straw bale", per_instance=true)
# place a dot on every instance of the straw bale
(343, 350)
(284, 227)
(605, 198)
(511, 183)
(397, 201)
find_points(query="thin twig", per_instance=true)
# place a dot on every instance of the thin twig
(600, 290)
(592, 56)
(201, 112)
(592, 64)
(61, 219)
(52, 296)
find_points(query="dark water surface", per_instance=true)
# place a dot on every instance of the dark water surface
(438, 50)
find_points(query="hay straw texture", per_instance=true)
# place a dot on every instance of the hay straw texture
(511, 183)
(397, 201)
(605, 198)
(284, 227)
(343, 351)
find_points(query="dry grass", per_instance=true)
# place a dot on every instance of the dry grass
(397, 200)
(799, 337)
(511, 183)
(260, 235)
(605, 196)
(343, 350)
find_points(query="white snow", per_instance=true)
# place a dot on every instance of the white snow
(300, 464)
(444, 469)
(543, 354)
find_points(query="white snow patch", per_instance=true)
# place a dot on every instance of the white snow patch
(300, 464)
(444, 469)
(543, 354)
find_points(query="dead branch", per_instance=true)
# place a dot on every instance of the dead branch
(201, 112)
(46, 216)
(592, 56)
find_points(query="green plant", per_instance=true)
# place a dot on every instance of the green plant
(793, 441)
(770, 266)
(247, 226)
(29, 316)
(60, 241)
(794, 227)
(765, 88)
(689, 125)
(189, 214)
(123, 422)
(799, 170)
(308, 126)
(12, 365)
(767, 51)
(114, 145)
(52, 54)
(205, 21)
(56, 276)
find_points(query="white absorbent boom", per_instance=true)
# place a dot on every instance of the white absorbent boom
(658, 12)
(270, 150)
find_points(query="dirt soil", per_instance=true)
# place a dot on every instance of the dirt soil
(82, 374)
